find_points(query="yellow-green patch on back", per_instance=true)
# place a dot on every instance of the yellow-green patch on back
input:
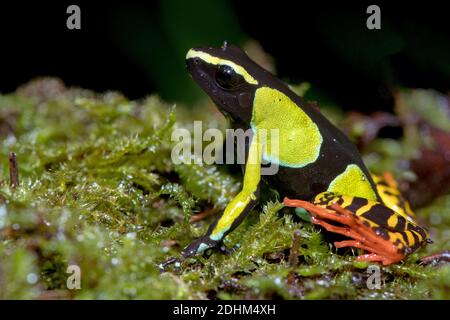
(353, 182)
(299, 139)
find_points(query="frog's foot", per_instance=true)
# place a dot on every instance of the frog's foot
(436, 259)
(226, 250)
(363, 236)
(203, 244)
(163, 266)
(198, 246)
(370, 257)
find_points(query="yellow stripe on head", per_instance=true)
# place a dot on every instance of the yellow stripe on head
(219, 61)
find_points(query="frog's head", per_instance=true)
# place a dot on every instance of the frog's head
(228, 76)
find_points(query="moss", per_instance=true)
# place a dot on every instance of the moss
(98, 190)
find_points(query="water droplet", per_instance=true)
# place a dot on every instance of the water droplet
(131, 235)
(32, 278)
(165, 249)
(3, 213)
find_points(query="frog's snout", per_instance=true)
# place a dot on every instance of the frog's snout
(191, 59)
(192, 63)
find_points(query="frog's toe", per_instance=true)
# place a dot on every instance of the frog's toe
(374, 257)
(226, 250)
(377, 253)
(163, 266)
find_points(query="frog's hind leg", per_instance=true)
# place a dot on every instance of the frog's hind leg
(345, 231)
(343, 217)
(319, 211)
(380, 249)
(371, 257)
(374, 257)
(363, 236)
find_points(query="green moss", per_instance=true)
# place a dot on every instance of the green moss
(98, 190)
(18, 272)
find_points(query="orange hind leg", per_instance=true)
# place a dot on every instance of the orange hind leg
(362, 236)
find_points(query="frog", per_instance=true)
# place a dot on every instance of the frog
(319, 169)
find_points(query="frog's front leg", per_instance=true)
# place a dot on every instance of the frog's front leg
(231, 217)
(237, 209)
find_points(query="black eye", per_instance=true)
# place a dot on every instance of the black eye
(226, 77)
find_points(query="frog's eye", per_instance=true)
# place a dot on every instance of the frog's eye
(227, 78)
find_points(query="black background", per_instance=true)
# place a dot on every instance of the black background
(302, 37)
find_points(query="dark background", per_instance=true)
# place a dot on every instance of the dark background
(139, 47)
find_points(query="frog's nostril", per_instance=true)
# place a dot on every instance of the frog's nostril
(191, 63)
